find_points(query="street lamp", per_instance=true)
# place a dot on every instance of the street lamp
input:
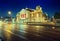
(9, 13)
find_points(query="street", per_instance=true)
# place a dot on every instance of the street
(30, 33)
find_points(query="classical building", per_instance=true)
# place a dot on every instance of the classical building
(31, 15)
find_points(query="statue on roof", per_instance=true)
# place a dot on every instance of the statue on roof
(39, 9)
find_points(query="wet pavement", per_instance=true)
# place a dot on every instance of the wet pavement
(25, 32)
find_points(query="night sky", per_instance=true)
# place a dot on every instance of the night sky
(48, 6)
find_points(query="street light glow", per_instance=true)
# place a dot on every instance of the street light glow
(9, 12)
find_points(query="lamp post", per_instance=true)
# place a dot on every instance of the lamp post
(9, 13)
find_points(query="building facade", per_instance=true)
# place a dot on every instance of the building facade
(31, 15)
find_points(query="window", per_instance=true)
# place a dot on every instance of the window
(23, 15)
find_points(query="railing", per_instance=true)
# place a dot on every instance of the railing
(41, 23)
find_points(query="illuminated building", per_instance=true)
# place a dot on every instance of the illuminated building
(23, 16)
(31, 15)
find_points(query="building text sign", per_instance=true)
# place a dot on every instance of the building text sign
(23, 16)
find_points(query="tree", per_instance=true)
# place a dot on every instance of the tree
(57, 15)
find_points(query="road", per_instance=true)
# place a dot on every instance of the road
(31, 33)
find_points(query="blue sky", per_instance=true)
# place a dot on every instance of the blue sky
(48, 6)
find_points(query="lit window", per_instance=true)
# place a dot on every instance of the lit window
(23, 15)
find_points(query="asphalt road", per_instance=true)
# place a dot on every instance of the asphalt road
(32, 33)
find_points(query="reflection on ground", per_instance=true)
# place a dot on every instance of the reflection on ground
(23, 32)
